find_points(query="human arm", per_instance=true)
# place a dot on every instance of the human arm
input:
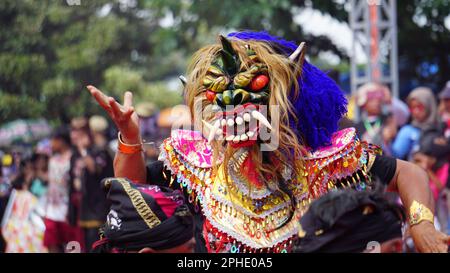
(411, 182)
(131, 166)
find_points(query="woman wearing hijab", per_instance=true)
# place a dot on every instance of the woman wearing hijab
(424, 119)
(377, 123)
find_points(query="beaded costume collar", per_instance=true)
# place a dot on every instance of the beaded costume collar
(239, 219)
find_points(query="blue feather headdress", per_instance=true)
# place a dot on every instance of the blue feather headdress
(320, 104)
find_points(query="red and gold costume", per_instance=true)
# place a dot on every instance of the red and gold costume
(251, 200)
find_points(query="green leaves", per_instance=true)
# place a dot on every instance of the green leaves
(17, 106)
(118, 79)
(49, 51)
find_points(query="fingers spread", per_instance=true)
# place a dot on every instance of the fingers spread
(116, 109)
(128, 99)
(128, 113)
(101, 98)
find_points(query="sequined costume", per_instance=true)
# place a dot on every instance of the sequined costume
(243, 209)
(241, 220)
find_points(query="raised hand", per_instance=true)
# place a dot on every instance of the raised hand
(124, 116)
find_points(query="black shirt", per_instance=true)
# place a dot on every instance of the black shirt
(94, 205)
(384, 168)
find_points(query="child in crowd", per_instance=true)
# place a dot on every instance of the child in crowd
(432, 157)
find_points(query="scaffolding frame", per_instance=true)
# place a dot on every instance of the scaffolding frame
(374, 30)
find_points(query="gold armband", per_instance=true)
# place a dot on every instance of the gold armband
(418, 213)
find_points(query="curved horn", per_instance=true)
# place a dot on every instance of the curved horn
(297, 52)
(183, 80)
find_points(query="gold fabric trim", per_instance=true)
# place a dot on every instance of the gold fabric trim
(140, 205)
(90, 224)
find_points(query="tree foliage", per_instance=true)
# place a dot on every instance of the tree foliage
(424, 43)
(49, 50)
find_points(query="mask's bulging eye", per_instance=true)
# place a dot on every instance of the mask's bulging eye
(210, 95)
(259, 82)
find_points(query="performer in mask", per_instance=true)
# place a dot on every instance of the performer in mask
(266, 144)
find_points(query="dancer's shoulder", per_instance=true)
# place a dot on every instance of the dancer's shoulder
(343, 163)
(346, 159)
(340, 142)
(190, 147)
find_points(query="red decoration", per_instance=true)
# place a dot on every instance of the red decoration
(259, 82)
(210, 95)
(250, 173)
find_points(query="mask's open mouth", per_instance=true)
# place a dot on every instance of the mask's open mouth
(239, 125)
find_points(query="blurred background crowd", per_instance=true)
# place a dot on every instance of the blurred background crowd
(50, 187)
(56, 144)
(416, 129)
